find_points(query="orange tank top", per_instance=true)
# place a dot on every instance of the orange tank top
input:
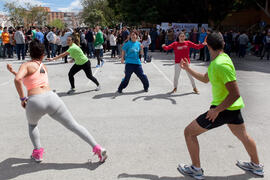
(37, 79)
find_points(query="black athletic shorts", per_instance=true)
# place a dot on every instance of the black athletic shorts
(224, 117)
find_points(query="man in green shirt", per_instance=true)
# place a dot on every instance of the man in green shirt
(81, 63)
(225, 109)
(98, 45)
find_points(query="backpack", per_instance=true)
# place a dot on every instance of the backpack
(149, 59)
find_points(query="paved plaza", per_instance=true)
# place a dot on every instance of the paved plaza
(143, 132)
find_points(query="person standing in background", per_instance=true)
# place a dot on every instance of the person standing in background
(202, 37)
(146, 41)
(51, 37)
(98, 46)
(243, 41)
(1, 42)
(6, 43)
(20, 43)
(194, 37)
(113, 43)
(66, 33)
(90, 43)
(39, 35)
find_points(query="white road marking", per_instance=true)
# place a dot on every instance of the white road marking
(5, 83)
(155, 66)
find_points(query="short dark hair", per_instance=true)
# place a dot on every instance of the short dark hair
(215, 41)
(72, 38)
(36, 49)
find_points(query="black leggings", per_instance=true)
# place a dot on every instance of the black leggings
(88, 72)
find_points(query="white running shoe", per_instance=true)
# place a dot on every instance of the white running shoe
(190, 171)
(249, 166)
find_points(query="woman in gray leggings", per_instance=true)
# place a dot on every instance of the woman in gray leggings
(41, 100)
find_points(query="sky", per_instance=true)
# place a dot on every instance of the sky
(55, 5)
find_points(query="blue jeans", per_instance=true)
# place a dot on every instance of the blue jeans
(101, 53)
(129, 70)
(1, 50)
(242, 50)
(192, 51)
(207, 54)
(53, 50)
(168, 43)
(91, 49)
(20, 50)
(145, 51)
(153, 45)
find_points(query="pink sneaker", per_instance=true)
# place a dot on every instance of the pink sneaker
(101, 152)
(37, 155)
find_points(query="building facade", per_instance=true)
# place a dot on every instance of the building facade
(68, 18)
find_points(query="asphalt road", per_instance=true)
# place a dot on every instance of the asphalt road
(143, 132)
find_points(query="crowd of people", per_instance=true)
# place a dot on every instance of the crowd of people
(16, 41)
(131, 46)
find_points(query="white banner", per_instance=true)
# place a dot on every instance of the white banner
(187, 26)
(165, 26)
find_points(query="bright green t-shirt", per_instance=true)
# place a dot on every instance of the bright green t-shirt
(77, 54)
(221, 71)
(34, 34)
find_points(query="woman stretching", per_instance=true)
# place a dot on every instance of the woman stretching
(181, 50)
(131, 52)
(41, 101)
(81, 63)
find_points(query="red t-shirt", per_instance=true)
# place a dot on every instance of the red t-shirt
(181, 50)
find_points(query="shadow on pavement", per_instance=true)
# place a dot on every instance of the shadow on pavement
(14, 167)
(62, 94)
(167, 96)
(245, 176)
(168, 64)
(115, 94)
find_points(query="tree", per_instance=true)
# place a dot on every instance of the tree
(28, 15)
(57, 23)
(36, 15)
(156, 11)
(98, 12)
(16, 13)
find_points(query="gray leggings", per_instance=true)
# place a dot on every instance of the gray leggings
(49, 103)
(177, 70)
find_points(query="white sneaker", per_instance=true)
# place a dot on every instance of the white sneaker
(190, 171)
(249, 166)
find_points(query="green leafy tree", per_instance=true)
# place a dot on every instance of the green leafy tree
(57, 23)
(156, 11)
(98, 12)
(16, 13)
(27, 15)
(36, 15)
